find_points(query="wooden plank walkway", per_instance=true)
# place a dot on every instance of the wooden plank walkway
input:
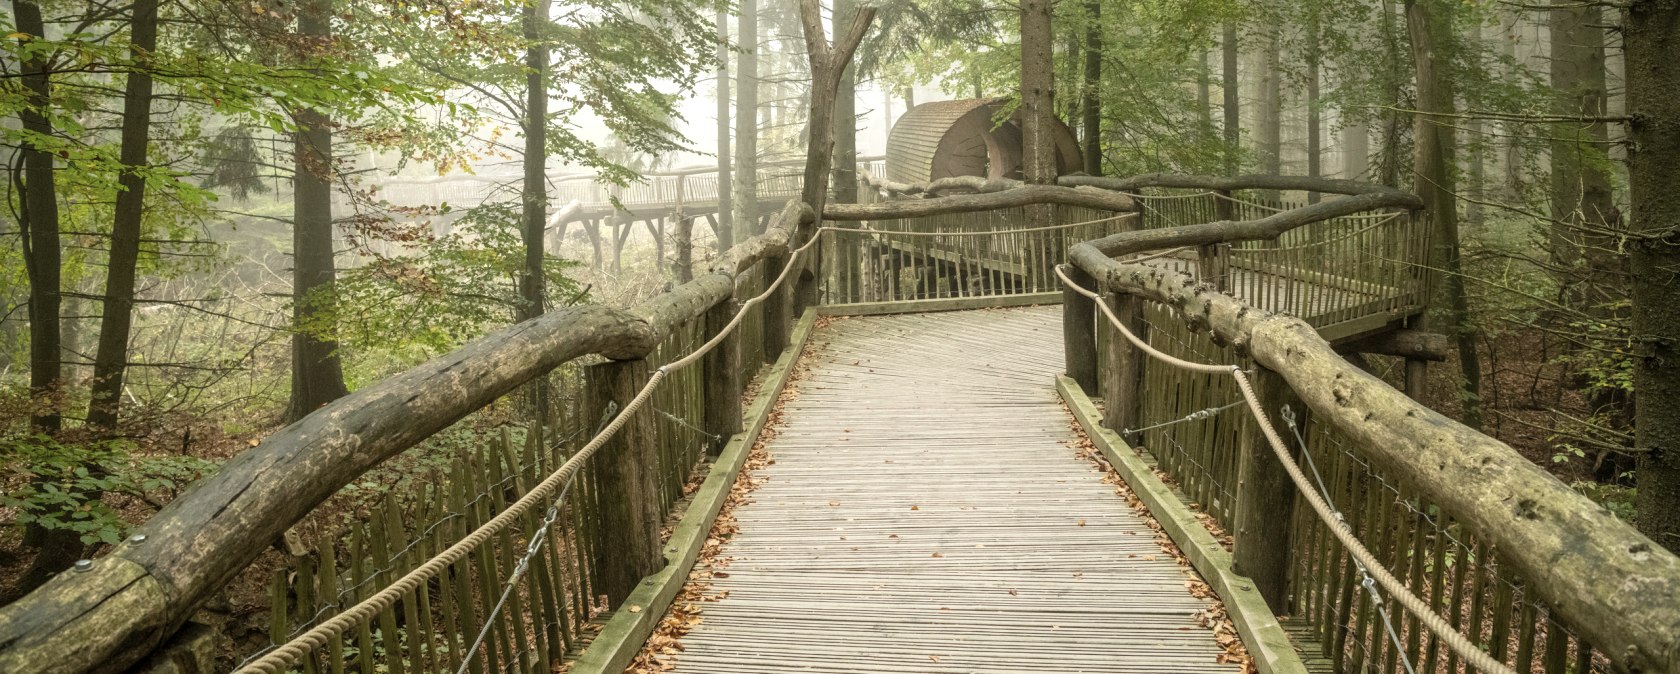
(926, 512)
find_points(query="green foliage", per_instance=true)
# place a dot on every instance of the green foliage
(439, 291)
(65, 486)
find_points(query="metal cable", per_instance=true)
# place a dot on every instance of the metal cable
(1473, 655)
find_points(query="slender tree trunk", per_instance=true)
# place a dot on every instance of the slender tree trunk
(1582, 203)
(1511, 144)
(112, 358)
(1651, 33)
(40, 222)
(1091, 108)
(534, 190)
(317, 372)
(725, 180)
(1204, 96)
(845, 115)
(746, 117)
(54, 549)
(1228, 85)
(1269, 127)
(1432, 164)
(1315, 143)
(1389, 170)
(1037, 105)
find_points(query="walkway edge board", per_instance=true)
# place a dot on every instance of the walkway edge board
(941, 304)
(622, 636)
(1267, 643)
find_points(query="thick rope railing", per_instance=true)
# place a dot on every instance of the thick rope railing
(1473, 655)
(289, 654)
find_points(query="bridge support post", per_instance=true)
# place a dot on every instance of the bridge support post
(1079, 336)
(723, 376)
(776, 307)
(1124, 375)
(627, 470)
(1265, 496)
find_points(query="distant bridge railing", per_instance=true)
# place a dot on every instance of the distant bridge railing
(693, 189)
(1530, 573)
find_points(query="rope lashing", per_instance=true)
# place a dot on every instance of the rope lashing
(1473, 655)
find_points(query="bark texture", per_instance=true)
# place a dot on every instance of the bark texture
(1432, 162)
(1652, 38)
(317, 372)
(1038, 99)
(111, 360)
(40, 225)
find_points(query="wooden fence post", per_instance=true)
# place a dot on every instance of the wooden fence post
(1265, 496)
(776, 308)
(723, 376)
(1124, 374)
(627, 469)
(1079, 338)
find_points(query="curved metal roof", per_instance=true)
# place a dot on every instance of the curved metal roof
(952, 138)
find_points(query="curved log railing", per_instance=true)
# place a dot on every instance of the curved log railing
(1566, 585)
(106, 616)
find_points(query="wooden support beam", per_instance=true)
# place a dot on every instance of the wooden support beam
(627, 474)
(776, 309)
(1079, 336)
(1265, 497)
(723, 376)
(1123, 378)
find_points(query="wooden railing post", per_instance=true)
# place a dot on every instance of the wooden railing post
(776, 309)
(1079, 337)
(1265, 496)
(1124, 374)
(627, 472)
(723, 376)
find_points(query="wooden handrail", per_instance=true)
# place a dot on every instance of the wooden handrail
(1616, 587)
(107, 617)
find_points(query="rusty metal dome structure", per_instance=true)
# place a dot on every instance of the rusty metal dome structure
(962, 138)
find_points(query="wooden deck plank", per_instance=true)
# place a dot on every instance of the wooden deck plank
(925, 512)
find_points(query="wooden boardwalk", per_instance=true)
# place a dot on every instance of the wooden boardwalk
(926, 512)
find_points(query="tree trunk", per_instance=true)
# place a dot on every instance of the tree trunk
(725, 182)
(54, 549)
(317, 373)
(1269, 127)
(746, 118)
(1204, 97)
(845, 115)
(534, 190)
(1091, 109)
(1037, 105)
(40, 223)
(1582, 203)
(1389, 170)
(1315, 143)
(1228, 85)
(111, 361)
(1432, 164)
(1652, 36)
